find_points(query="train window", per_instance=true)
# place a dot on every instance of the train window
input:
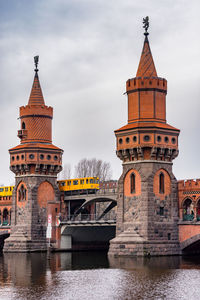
(75, 182)
(1, 189)
(97, 180)
(63, 183)
(69, 182)
(82, 181)
(91, 180)
(10, 188)
(6, 189)
(86, 181)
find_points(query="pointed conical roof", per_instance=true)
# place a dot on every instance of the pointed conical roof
(146, 66)
(36, 96)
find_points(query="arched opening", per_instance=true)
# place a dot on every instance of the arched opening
(23, 125)
(132, 178)
(188, 210)
(22, 193)
(198, 210)
(161, 183)
(5, 217)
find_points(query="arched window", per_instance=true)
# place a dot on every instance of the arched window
(198, 210)
(5, 216)
(23, 125)
(132, 178)
(22, 193)
(188, 210)
(161, 183)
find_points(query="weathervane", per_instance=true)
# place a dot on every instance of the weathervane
(36, 60)
(146, 25)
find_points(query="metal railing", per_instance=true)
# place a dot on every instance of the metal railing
(90, 217)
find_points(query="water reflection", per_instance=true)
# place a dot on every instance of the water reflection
(91, 275)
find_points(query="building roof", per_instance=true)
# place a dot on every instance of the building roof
(36, 96)
(148, 125)
(146, 66)
(36, 146)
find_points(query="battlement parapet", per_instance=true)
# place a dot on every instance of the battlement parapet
(146, 83)
(36, 110)
(189, 184)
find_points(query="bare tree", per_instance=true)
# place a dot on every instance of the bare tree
(93, 167)
(66, 172)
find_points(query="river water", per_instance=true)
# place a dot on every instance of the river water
(92, 276)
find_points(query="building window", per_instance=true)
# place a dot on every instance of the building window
(135, 138)
(173, 141)
(161, 211)
(48, 157)
(120, 141)
(55, 157)
(23, 125)
(166, 139)
(127, 140)
(158, 138)
(146, 138)
(188, 210)
(132, 183)
(161, 183)
(22, 156)
(13, 158)
(17, 157)
(41, 156)
(31, 156)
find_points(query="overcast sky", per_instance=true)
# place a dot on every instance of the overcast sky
(88, 49)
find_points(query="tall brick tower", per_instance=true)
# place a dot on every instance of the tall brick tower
(36, 163)
(147, 199)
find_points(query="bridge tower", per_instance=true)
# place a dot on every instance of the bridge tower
(147, 212)
(36, 163)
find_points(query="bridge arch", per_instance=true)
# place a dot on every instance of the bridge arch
(97, 199)
(192, 243)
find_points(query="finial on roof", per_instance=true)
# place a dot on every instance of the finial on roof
(36, 60)
(146, 25)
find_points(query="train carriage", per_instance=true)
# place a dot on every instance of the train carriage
(79, 186)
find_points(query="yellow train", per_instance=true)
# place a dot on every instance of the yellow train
(86, 185)
(79, 185)
(6, 191)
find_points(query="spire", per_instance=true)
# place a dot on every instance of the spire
(146, 66)
(36, 96)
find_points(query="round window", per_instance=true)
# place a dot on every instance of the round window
(55, 157)
(173, 141)
(146, 138)
(31, 156)
(166, 139)
(135, 138)
(120, 141)
(127, 140)
(41, 156)
(48, 157)
(159, 138)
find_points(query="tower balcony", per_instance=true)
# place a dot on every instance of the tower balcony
(22, 133)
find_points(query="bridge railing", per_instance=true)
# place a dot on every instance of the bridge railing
(90, 217)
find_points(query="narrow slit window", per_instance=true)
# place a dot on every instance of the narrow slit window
(132, 183)
(161, 183)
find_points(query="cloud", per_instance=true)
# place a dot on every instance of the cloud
(88, 49)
